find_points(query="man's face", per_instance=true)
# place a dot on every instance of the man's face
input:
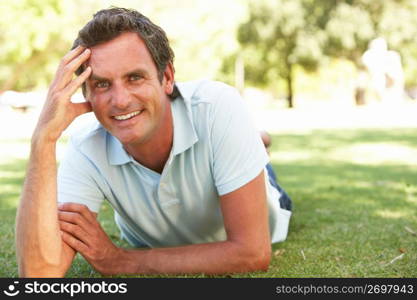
(125, 93)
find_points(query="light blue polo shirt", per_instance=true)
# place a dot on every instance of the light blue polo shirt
(216, 150)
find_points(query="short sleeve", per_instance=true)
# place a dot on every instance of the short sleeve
(76, 180)
(238, 152)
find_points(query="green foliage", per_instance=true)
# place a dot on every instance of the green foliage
(271, 36)
(353, 24)
(349, 30)
(280, 34)
(277, 36)
(34, 35)
(284, 34)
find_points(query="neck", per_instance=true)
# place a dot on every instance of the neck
(154, 153)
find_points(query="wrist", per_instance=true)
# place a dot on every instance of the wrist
(126, 261)
(43, 137)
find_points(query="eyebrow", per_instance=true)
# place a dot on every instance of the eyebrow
(97, 77)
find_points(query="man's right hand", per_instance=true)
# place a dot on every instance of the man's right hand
(58, 111)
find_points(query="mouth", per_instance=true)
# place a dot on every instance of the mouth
(127, 116)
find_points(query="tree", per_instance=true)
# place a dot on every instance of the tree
(34, 35)
(353, 24)
(276, 37)
(280, 34)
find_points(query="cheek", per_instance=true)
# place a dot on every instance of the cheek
(94, 96)
(99, 108)
(97, 101)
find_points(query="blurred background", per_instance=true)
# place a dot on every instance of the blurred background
(302, 54)
(300, 65)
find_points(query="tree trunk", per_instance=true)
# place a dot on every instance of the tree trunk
(290, 91)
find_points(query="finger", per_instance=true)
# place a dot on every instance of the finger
(76, 219)
(71, 54)
(79, 208)
(74, 64)
(76, 83)
(74, 243)
(66, 59)
(75, 230)
(66, 72)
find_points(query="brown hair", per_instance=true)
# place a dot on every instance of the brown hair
(109, 23)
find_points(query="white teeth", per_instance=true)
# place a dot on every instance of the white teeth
(127, 116)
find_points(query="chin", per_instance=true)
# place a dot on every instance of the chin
(128, 139)
(134, 135)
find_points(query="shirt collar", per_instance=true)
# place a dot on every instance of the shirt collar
(116, 154)
(184, 131)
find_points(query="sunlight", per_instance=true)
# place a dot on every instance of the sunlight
(389, 214)
(290, 156)
(376, 154)
(411, 194)
(11, 174)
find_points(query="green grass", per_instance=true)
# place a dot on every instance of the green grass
(354, 193)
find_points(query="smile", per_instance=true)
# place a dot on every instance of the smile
(127, 116)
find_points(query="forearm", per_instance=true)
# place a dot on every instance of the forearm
(212, 258)
(38, 238)
(39, 245)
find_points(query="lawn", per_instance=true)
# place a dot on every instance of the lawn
(355, 205)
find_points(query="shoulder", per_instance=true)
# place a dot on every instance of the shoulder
(206, 91)
(211, 102)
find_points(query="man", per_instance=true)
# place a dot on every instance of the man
(180, 164)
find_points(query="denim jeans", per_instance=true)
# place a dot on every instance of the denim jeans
(284, 200)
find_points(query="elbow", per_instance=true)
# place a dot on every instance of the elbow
(261, 261)
(33, 260)
(34, 266)
(40, 270)
(45, 272)
(255, 259)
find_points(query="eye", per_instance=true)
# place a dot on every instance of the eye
(102, 84)
(135, 77)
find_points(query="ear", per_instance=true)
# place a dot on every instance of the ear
(86, 92)
(169, 79)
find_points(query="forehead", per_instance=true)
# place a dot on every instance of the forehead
(126, 51)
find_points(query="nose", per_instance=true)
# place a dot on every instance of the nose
(120, 96)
